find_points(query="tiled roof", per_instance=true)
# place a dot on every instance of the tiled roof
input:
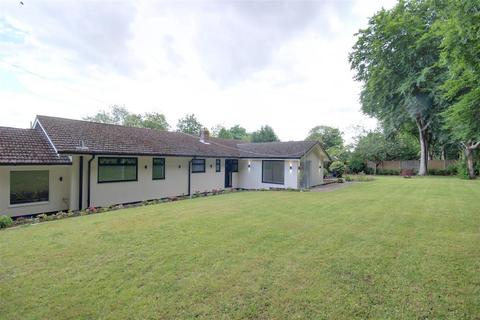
(84, 137)
(69, 136)
(27, 146)
(289, 149)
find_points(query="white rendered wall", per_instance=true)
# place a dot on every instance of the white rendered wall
(251, 178)
(145, 188)
(316, 167)
(58, 196)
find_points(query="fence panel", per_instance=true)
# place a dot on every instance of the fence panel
(411, 164)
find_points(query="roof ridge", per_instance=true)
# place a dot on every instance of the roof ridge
(103, 123)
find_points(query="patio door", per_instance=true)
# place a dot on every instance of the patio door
(228, 173)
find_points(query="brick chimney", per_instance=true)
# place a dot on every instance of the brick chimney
(204, 135)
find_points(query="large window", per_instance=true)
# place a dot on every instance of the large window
(198, 165)
(28, 186)
(218, 165)
(117, 169)
(158, 169)
(273, 171)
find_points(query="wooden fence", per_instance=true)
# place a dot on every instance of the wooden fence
(411, 164)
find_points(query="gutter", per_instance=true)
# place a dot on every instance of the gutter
(139, 154)
(80, 184)
(89, 178)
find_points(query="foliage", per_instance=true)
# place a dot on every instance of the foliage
(375, 146)
(236, 132)
(329, 137)
(402, 146)
(396, 58)
(388, 172)
(452, 169)
(337, 168)
(121, 116)
(461, 55)
(361, 177)
(438, 172)
(265, 134)
(189, 124)
(356, 164)
(340, 153)
(462, 170)
(5, 222)
(372, 147)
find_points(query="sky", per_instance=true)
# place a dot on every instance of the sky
(281, 63)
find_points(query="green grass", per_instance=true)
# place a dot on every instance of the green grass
(392, 248)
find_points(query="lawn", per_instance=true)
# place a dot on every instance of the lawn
(392, 248)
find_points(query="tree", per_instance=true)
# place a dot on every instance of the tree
(327, 136)
(121, 116)
(396, 58)
(155, 120)
(189, 124)
(401, 146)
(461, 54)
(224, 133)
(236, 132)
(265, 134)
(372, 147)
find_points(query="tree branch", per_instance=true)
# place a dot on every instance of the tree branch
(474, 146)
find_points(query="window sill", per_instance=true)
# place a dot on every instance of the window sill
(19, 205)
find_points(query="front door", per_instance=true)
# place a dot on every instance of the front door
(228, 173)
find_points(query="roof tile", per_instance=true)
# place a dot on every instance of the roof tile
(27, 146)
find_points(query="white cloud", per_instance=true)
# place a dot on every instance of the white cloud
(249, 63)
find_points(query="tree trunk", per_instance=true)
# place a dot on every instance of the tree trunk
(469, 148)
(469, 156)
(422, 131)
(442, 155)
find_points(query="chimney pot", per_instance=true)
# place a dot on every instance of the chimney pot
(204, 135)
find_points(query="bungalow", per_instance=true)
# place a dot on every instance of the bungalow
(64, 164)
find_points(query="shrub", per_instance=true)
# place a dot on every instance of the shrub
(5, 222)
(356, 165)
(340, 180)
(388, 172)
(368, 170)
(452, 169)
(337, 168)
(462, 170)
(362, 177)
